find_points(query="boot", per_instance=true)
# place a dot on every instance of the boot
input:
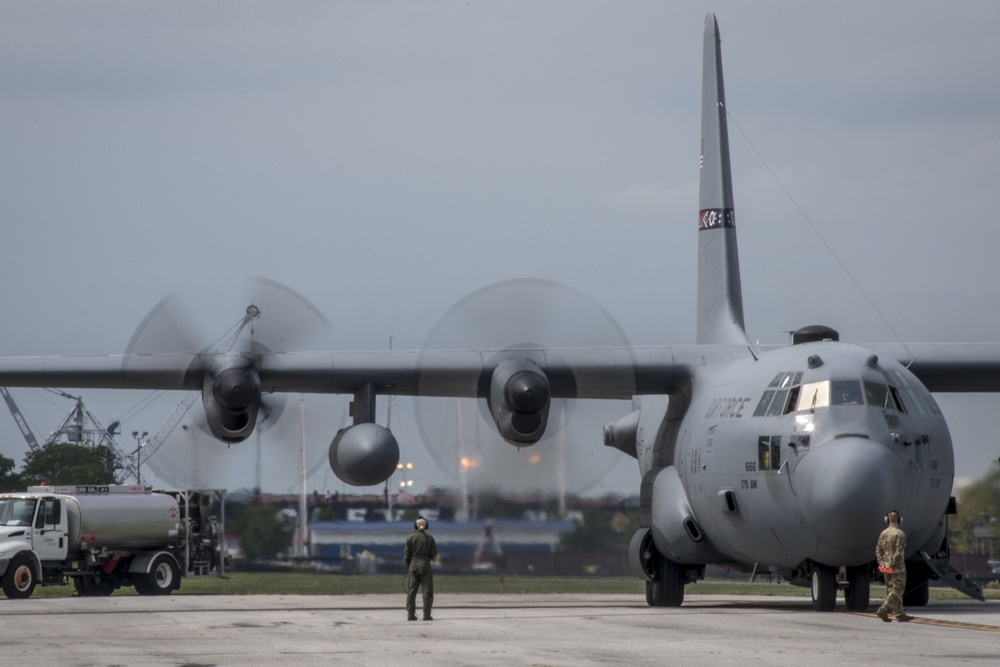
(883, 614)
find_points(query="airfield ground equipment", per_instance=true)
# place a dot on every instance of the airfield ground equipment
(105, 537)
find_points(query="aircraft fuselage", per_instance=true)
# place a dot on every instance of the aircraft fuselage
(792, 458)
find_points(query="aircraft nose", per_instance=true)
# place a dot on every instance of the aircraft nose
(847, 485)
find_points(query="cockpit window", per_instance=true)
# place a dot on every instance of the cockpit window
(877, 394)
(882, 397)
(846, 392)
(781, 397)
(778, 403)
(814, 395)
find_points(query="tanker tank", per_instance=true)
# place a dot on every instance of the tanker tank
(122, 521)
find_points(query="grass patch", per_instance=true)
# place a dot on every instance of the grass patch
(294, 583)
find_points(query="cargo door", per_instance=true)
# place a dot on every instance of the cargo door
(50, 534)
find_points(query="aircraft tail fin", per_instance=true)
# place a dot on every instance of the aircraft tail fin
(720, 296)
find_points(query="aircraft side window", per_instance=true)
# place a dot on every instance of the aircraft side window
(908, 400)
(879, 396)
(898, 399)
(778, 403)
(922, 452)
(777, 380)
(769, 452)
(793, 399)
(846, 392)
(914, 404)
(765, 403)
(764, 452)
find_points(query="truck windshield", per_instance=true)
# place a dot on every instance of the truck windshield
(17, 511)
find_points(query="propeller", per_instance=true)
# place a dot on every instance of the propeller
(461, 435)
(270, 316)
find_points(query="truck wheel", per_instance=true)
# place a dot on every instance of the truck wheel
(91, 587)
(161, 579)
(19, 580)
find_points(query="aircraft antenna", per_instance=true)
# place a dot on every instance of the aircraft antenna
(816, 231)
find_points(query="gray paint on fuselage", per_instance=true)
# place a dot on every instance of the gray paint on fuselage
(787, 516)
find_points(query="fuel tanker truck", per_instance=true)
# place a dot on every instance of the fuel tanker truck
(104, 537)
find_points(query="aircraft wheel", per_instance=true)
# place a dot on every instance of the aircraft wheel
(859, 588)
(667, 590)
(917, 595)
(19, 580)
(824, 588)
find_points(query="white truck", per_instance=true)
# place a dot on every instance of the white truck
(108, 536)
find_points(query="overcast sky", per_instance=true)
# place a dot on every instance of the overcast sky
(384, 159)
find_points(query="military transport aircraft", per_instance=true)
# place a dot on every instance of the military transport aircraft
(779, 460)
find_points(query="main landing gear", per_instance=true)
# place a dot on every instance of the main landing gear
(667, 587)
(857, 593)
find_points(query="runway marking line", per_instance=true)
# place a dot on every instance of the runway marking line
(944, 624)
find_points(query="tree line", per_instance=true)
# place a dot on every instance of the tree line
(265, 533)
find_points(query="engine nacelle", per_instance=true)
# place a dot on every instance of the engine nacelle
(231, 396)
(364, 454)
(519, 401)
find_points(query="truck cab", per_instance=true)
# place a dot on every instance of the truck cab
(33, 528)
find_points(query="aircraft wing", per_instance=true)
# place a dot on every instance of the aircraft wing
(600, 373)
(955, 367)
(517, 385)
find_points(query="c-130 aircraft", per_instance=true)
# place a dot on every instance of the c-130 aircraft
(771, 459)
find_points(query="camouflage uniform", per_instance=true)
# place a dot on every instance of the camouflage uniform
(419, 552)
(890, 552)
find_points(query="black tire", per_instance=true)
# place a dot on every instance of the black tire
(917, 595)
(92, 587)
(667, 590)
(824, 588)
(859, 588)
(161, 579)
(20, 578)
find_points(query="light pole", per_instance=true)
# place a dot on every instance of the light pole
(405, 483)
(139, 444)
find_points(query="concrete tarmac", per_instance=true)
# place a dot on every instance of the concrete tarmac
(502, 629)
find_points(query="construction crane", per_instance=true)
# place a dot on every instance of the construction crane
(80, 427)
(19, 419)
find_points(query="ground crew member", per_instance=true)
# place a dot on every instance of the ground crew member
(890, 552)
(419, 552)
